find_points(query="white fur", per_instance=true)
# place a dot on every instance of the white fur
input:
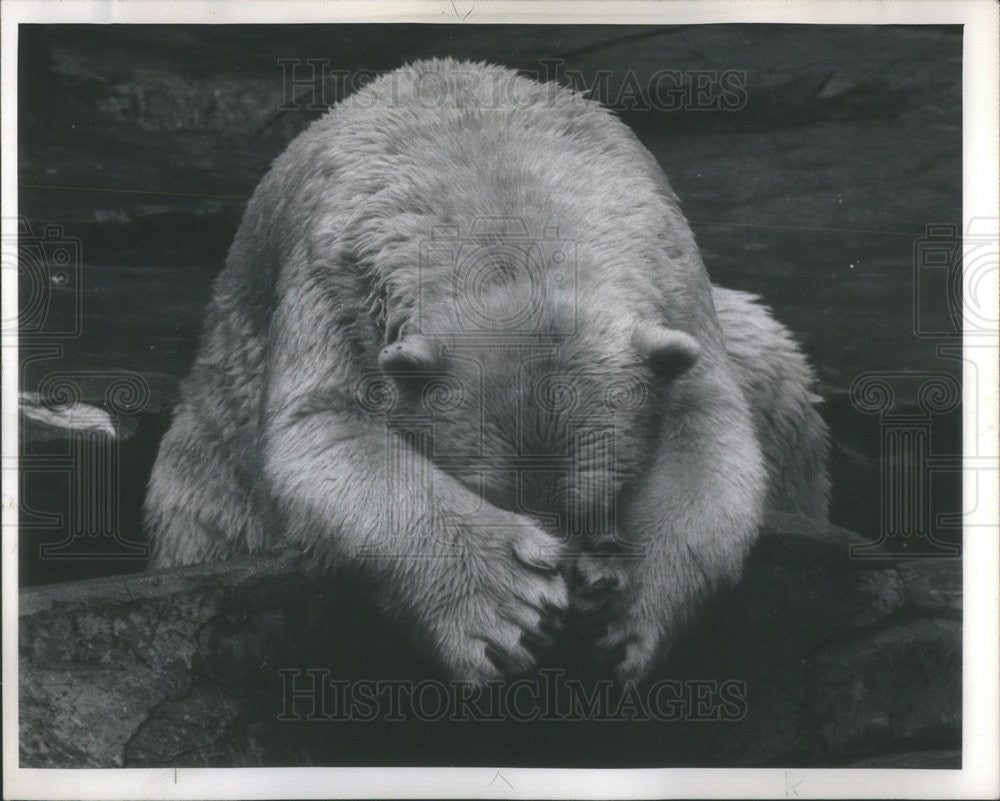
(271, 442)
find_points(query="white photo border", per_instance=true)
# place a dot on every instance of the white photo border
(978, 778)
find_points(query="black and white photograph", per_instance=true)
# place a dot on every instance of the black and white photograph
(507, 402)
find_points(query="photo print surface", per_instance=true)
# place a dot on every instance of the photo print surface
(568, 396)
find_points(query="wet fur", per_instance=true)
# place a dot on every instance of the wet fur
(274, 440)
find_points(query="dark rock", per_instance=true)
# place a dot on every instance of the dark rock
(945, 759)
(181, 667)
(191, 731)
(98, 656)
(895, 686)
(800, 588)
(778, 727)
(933, 586)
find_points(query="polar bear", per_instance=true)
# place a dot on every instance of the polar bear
(465, 346)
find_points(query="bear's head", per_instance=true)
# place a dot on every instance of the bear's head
(540, 403)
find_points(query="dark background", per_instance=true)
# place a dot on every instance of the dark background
(143, 142)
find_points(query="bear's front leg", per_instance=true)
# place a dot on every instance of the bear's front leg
(686, 527)
(476, 588)
(470, 585)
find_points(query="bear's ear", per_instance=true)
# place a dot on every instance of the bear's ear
(411, 353)
(667, 351)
